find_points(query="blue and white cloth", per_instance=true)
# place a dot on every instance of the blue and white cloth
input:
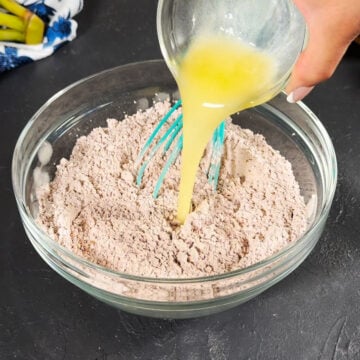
(60, 28)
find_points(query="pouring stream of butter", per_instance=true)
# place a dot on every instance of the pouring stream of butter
(217, 77)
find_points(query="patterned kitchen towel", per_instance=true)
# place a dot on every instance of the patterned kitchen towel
(60, 28)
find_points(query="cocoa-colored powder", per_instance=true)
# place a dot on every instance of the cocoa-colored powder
(94, 207)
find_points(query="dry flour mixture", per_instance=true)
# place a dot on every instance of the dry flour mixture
(94, 207)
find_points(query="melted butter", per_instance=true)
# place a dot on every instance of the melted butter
(217, 77)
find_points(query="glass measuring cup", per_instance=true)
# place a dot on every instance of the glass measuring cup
(273, 26)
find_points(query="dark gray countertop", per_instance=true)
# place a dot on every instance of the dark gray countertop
(313, 314)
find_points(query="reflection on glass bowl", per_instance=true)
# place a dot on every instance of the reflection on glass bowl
(52, 132)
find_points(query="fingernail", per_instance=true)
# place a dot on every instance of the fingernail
(298, 94)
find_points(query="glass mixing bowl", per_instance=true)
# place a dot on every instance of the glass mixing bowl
(290, 128)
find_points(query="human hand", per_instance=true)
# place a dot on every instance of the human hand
(332, 25)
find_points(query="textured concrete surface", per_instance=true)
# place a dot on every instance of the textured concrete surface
(313, 314)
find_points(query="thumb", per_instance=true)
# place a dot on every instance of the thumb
(317, 63)
(329, 36)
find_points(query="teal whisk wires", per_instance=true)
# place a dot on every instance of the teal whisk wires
(173, 135)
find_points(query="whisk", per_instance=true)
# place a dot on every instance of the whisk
(276, 27)
(173, 135)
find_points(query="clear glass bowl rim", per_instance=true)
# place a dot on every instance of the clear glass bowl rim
(297, 246)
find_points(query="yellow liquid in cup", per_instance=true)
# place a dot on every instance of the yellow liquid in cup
(217, 77)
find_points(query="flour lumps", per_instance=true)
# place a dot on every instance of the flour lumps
(94, 208)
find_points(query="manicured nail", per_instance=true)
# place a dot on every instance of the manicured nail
(298, 94)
